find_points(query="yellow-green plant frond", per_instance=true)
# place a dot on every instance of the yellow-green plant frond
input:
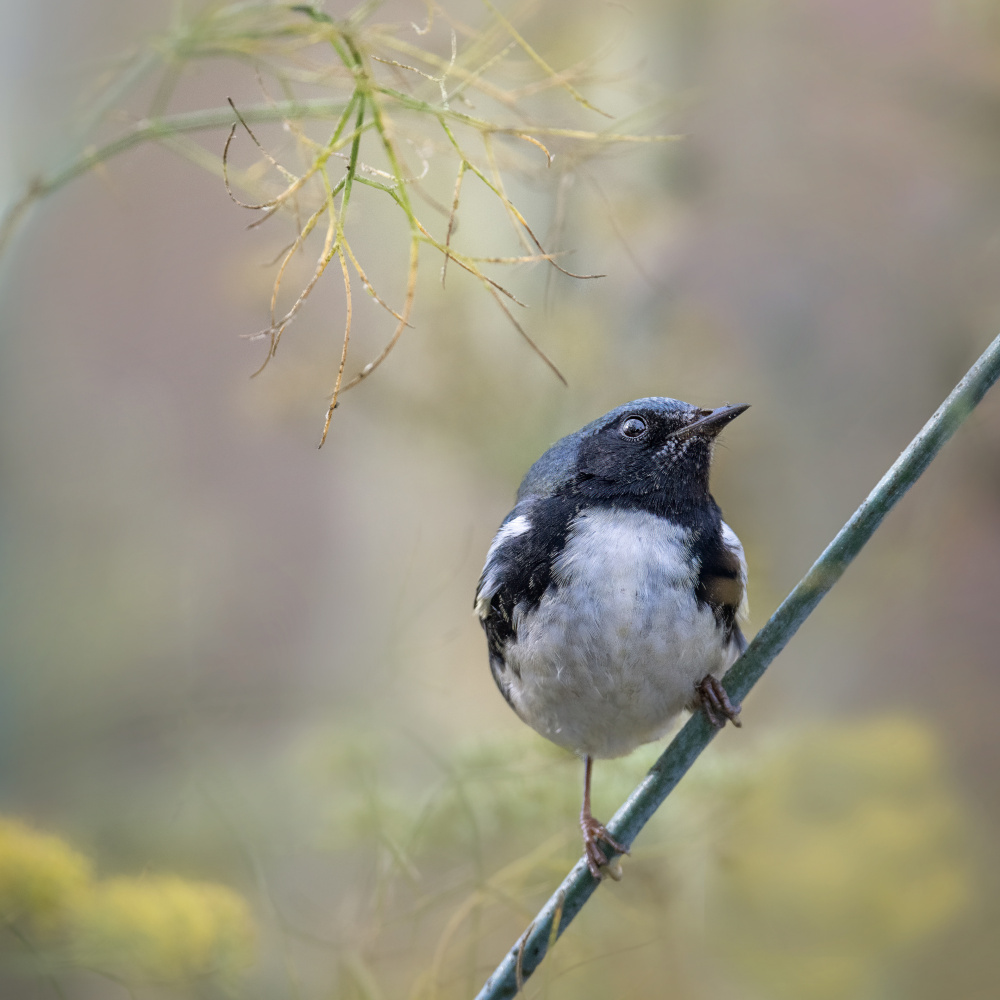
(415, 109)
(41, 878)
(845, 846)
(164, 930)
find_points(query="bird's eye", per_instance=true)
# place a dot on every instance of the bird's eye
(633, 427)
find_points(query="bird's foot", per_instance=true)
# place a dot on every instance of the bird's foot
(716, 703)
(594, 833)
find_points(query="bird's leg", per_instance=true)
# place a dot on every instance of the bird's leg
(716, 703)
(594, 831)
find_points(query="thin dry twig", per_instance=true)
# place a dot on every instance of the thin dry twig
(343, 353)
(369, 287)
(540, 62)
(462, 167)
(411, 289)
(276, 329)
(535, 142)
(520, 329)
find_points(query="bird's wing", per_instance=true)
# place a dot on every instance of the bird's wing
(722, 582)
(735, 546)
(504, 551)
(518, 570)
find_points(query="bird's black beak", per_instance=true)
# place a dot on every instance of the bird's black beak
(712, 421)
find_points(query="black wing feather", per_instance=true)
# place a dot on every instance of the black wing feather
(519, 572)
(721, 583)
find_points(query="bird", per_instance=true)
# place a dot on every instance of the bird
(613, 593)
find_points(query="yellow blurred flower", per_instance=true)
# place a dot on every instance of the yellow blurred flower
(164, 930)
(845, 847)
(41, 878)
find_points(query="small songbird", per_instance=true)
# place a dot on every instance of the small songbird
(613, 593)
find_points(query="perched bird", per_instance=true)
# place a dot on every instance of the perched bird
(613, 592)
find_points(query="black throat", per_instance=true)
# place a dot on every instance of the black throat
(684, 501)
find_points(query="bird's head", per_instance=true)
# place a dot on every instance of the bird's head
(652, 445)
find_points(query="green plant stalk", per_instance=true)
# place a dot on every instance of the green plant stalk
(579, 885)
(352, 166)
(139, 68)
(192, 121)
(149, 130)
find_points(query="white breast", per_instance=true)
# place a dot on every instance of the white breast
(618, 642)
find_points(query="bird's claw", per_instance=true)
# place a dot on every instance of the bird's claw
(716, 703)
(594, 833)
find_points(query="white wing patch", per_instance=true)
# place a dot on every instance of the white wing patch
(514, 527)
(491, 579)
(735, 546)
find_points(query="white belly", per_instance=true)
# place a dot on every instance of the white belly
(618, 642)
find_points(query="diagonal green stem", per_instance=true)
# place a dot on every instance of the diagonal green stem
(682, 752)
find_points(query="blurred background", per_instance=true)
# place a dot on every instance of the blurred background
(249, 742)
